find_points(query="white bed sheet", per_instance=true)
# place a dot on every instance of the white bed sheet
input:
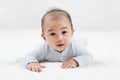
(104, 46)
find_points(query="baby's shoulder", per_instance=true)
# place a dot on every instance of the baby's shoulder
(79, 43)
(78, 40)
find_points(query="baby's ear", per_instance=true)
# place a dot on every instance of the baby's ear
(73, 31)
(43, 36)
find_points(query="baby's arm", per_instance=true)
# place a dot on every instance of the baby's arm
(81, 55)
(84, 59)
(33, 58)
(79, 60)
(31, 62)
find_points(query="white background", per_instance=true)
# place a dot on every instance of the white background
(97, 20)
(95, 15)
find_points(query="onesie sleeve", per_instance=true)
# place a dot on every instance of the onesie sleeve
(82, 56)
(35, 55)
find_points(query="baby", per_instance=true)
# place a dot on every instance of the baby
(59, 45)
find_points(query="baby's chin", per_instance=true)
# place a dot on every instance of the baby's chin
(57, 49)
(60, 50)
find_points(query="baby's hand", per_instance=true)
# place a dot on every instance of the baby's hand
(35, 66)
(69, 64)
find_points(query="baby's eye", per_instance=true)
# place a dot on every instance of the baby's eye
(64, 32)
(52, 34)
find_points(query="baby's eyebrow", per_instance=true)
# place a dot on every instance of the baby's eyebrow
(64, 28)
(51, 30)
(55, 30)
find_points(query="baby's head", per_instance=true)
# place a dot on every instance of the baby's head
(57, 29)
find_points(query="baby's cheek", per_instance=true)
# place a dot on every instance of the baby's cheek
(68, 41)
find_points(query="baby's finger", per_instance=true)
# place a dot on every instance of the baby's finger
(67, 66)
(29, 67)
(33, 69)
(42, 66)
(64, 66)
(38, 70)
(71, 66)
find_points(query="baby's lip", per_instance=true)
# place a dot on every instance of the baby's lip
(60, 45)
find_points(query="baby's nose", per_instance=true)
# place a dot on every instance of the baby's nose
(59, 38)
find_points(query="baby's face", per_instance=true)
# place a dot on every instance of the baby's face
(57, 33)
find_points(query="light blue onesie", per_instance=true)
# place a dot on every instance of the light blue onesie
(76, 51)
